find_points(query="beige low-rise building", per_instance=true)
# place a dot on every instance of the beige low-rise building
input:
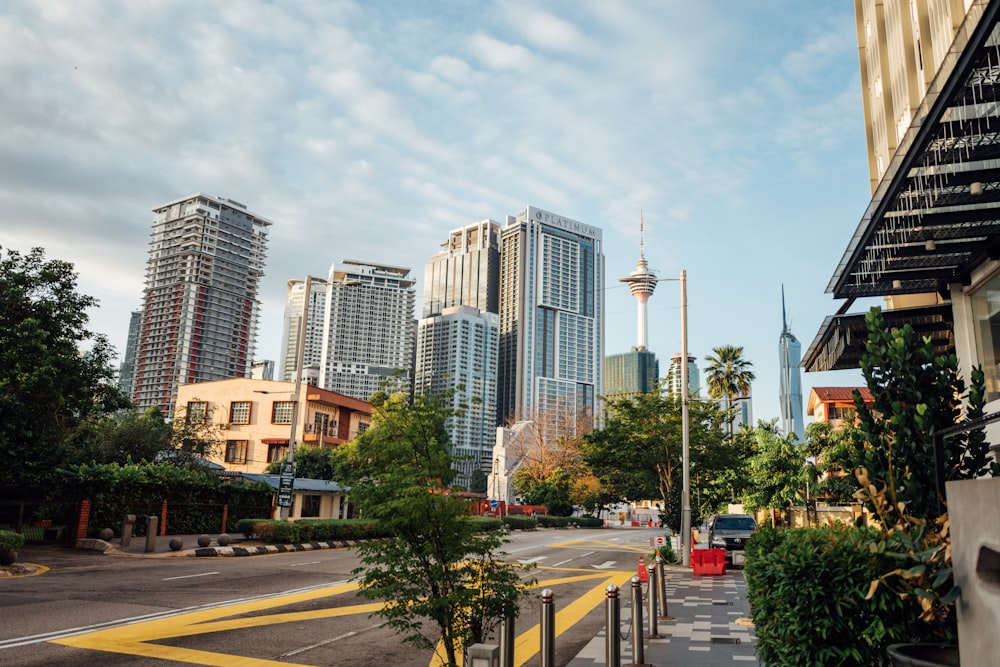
(256, 419)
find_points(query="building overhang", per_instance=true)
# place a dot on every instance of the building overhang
(841, 339)
(935, 215)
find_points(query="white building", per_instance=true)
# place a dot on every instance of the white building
(457, 353)
(360, 330)
(200, 308)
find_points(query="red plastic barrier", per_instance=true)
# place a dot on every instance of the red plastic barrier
(708, 561)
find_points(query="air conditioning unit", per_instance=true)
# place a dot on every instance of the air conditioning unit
(225, 427)
(308, 428)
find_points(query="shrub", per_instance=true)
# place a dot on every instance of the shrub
(10, 540)
(589, 521)
(667, 553)
(520, 522)
(806, 588)
(485, 524)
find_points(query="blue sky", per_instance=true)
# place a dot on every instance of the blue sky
(369, 130)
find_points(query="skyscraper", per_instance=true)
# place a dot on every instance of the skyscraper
(551, 320)
(126, 372)
(457, 353)
(466, 272)
(457, 339)
(200, 306)
(360, 330)
(790, 375)
(673, 379)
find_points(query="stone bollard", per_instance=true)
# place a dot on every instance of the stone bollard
(613, 620)
(548, 630)
(127, 524)
(152, 523)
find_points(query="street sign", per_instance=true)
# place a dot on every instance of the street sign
(286, 484)
(658, 541)
(494, 503)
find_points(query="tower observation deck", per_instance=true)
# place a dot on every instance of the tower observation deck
(642, 283)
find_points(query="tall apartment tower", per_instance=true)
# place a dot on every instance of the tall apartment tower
(200, 307)
(457, 340)
(673, 379)
(457, 352)
(466, 272)
(551, 320)
(360, 331)
(790, 376)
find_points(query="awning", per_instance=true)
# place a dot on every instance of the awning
(841, 338)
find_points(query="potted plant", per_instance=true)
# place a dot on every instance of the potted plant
(10, 544)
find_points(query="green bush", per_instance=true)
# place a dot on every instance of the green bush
(589, 521)
(806, 588)
(667, 552)
(307, 530)
(10, 540)
(485, 524)
(520, 522)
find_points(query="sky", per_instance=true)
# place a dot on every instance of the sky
(370, 130)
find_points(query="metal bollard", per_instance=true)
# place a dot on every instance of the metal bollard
(638, 650)
(151, 524)
(548, 630)
(127, 524)
(653, 633)
(613, 621)
(507, 641)
(661, 591)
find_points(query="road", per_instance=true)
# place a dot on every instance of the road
(283, 609)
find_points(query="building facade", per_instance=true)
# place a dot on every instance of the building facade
(630, 373)
(369, 331)
(126, 372)
(466, 272)
(254, 419)
(200, 307)
(551, 320)
(836, 404)
(457, 356)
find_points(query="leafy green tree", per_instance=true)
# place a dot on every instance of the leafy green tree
(50, 383)
(195, 436)
(637, 453)
(553, 492)
(478, 482)
(434, 566)
(831, 449)
(777, 470)
(917, 393)
(728, 377)
(310, 463)
(127, 436)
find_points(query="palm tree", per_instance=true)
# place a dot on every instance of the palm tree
(728, 376)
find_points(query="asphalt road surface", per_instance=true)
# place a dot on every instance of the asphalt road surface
(284, 609)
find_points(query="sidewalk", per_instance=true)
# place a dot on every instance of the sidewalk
(711, 626)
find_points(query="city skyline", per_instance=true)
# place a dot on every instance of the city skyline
(371, 130)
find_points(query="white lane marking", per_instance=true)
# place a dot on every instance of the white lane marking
(604, 566)
(328, 641)
(532, 560)
(190, 576)
(312, 562)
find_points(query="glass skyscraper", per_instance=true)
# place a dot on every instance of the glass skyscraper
(789, 357)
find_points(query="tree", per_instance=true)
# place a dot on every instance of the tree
(194, 435)
(310, 463)
(478, 482)
(637, 453)
(435, 566)
(728, 376)
(777, 470)
(126, 436)
(49, 383)
(917, 393)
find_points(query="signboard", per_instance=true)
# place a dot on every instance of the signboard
(658, 541)
(494, 503)
(286, 482)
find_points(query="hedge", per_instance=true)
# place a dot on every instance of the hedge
(806, 588)
(11, 540)
(326, 530)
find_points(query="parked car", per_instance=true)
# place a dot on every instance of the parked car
(731, 532)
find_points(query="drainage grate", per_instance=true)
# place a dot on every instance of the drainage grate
(725, 640)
